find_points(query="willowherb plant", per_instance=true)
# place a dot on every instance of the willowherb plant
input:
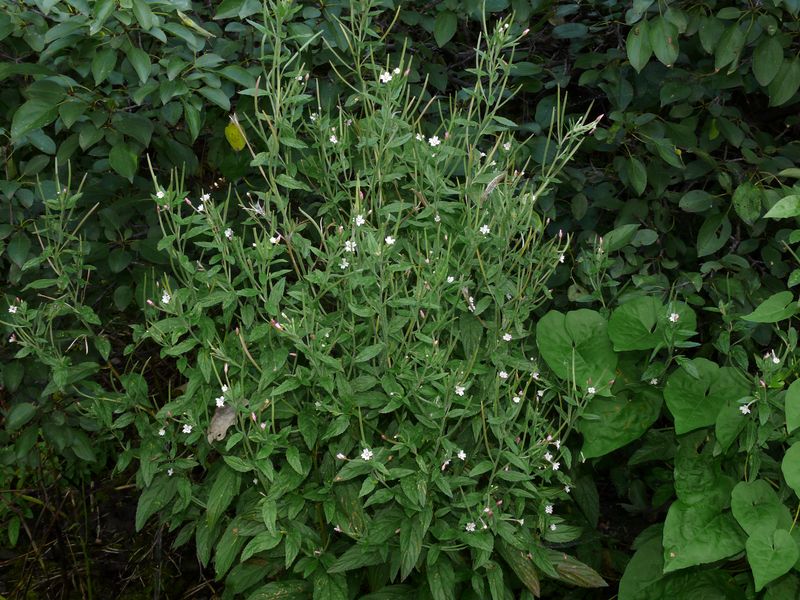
(362, 403)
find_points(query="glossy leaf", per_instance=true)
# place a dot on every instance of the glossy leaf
(664, 40)
(767, 60)
(638, 46)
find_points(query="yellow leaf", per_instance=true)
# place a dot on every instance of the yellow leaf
(235, 137)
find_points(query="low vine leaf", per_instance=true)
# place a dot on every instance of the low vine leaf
(664, 40)
(699, 534)
(637, 324)
(791, 405)
(770, 554)
(577, 342)
(785, 208)
(619, 420)
(444, 27)
(695, 401)
(638, 46)
(747, 202)
(729, 424)
(289, 589)
(776, 308)
(790, 467)
(756, 507)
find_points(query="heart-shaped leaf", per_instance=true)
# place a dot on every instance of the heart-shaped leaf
(698, 534)
(770, 554)
(619, 420)
(776, 308)
(756, 506)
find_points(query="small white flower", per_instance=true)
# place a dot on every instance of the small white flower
(344, 264)
(556, 466)
(341, 456)
(12, 309)
(205, 197)
(396, 70)
(502, 375)
(224, 388)
(557, 444)
(313, 116)
(201, 207)
(366, 454)
(561, 257)
(220, 401)
(552, 527)
(775, 359)
(450, 279)
(350, 246)
(548, 457)
(299, 78)
(275, 239)
(420, 137)
(549, 509)
(535, 373)
(507, 337)
(516, 399)
(673, 317)
(170, 472)
(567, 489)
(654, 381)
(460, 390)
(485, 229)
(229, 233)
(744, 409)
(389, 240)
(360, 220)
(445, 464)
(470, 527)
(165, 298)
(334, 139)
(160, 194)
(591, 390)
(434, 141)
(187, 429)
(437, 218)
(386, 77)
(540, 393)
(507, 146)
(337, 529)
(461, 455)
(162, 432)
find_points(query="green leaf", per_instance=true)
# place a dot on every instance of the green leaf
(356, 557)
(619, 237)
(622, 419)
(441, 579)
(216, 96)
(638, 324)
(638, 46)
(664, 40)
(33, 114)
(637, 175)
(574, 572)
(578, 339)
(790, 467)
(444, 28)
(293, 458)
(224, 489)
(522, 566)
(785, 208)
(102, 64)
(290, 589)
(695, 401)
(141, 63)
(154, 498)
(747, 202)
(369, 353)
(698, 534)
(143, 14)
(696, 201)
(777, 307)
(729, 47)
(786, 82)
(124, 160)
(757, 507)
(714, 233)
(18, 248)
(770, 554)
(792, 406)
(412, 532)
(19, 415)
(261, 542)
(767, 60)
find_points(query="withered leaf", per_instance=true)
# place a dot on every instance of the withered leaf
(223, 418)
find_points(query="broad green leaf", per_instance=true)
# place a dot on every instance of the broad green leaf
(714, 233)
(785, 83)
(767, 60)
(696, 201)
(241, 9)
(19, 415)
(102, 64)
(577, 343)
(710, 31)
(747, 202)
(33, 114)
(756, 506)
(770, 554)
(638, 324)
(441, 579)
(777, 307)
(785, 208)
(124, 160)
(637, 175)
(18, 248)
(216, 96)
(234, 136)
(698, 534)
(619, 237)
(792, 406)
(141, 63)
(638, 45)
(369, 353)
(444, 27)
(568, 31)
(622, 419)
(224, 489)
(729, 47)
(261, 542)
(664, 40)
(790, 467)
(143, 14)
(412, 532)
(154, 498)
(729, 423)
(570, 570)
(695, 402)
(521, 564)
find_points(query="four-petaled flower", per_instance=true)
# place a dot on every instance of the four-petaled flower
(386, 77)
(341, 456)
(556, 466)
(366, 454)
(350, 246)
(389, 240)
(160, 194)
(333, 139)
(744, 409)
(507, 146)
(450, 279)
(461, 455)
(502, 375)
(344, 264)
(220, 401)
(484, 229)
(360, 220)
(434, 141)
(549, 509)
(165, 298)
(567, 489)
(162, 432)
(205, 197)
(460, 390)
(12, 309)
(591, 390)
(548, 457)
(470, 527)
(553, 527)
(187, 429)
(275, 238)
(229, 233)
(420, 137)
(507, 337)
(170, 471)
(673, 317)
(654, 381)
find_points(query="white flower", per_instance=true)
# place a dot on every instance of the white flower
(229, 233)
(567, 489)
(775, 359)
(205, 197)
(350, 246)
(460, 390)
(367, 454)
(201, 207)
(396, 70)
(420, 137)
(386, 77)
(516, 399)
(389, 240)
(535, 373)
(557, 444)
(12, 309)
(461, 455)
(187, 429)
(450, 279)
(591, 390)
(313, 116)
(337, 529)
(162, 432)
(434, 141)
(540, 393)
(507, 146)
(275, 239)
(556, 466)
(445, 464)
(548, 457)
(484, 229)
(170, 472)
(165, 298)
(549, 509)
(341, 456)
(437, 218)
(470, 527)
(561, 257)
(334, 139)
(673, 317)
(344, 264)
(160, 194)
(654, 381)
(502, 375)
(552, 527)
(224, 388)
(220, 401)
(360, 220)
(507, 337)
(744, 409)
